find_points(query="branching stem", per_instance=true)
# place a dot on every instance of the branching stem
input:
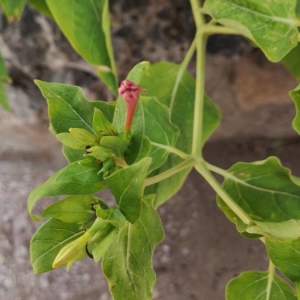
(201, 167)
(164, 175)
(271, 274)
(201, 38)
(171, 150)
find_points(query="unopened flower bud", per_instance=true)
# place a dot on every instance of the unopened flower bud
(130, 92)
(70, 252)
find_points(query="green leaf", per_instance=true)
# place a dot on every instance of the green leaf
(176, 90)
(103, 241)
(13, 9)
(83, 136)
(285, 255)
(73, 155)
(137, 127)
(272, 24)
(74, 179)
(145, 148)
(128, 262)
(107, 109)
(3, 72)
(159, 129)
(67, 106)
(263, 189)
(3, 77)
(286, 229)
(259, 286)
(111, 215)
(298, 10)
(114, 143)
(67, 139)
(47, 241)
(86, 23)
(101, 124)
(73, 209)
(41, 6)
(3, 98)
(292, 62)
(100, 153)
(295, 95)
(127, 186)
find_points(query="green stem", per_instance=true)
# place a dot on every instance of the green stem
(164, 175)
(271, 272)
(201, 167)
(171, 150)
(201, 39)
(183, 67)
(214, 29)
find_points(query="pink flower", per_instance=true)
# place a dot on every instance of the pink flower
(130, 92)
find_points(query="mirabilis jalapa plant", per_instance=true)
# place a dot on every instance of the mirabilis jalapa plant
(143, 145)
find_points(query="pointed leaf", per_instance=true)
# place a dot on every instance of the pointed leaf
(174, 89)
(114, 143)
(3, 72)
(3, 77)
(101, 124)
(73, 155)
(67, 107)
(295, 95)
(137, 127)
(286, 229)
(41, 6)
(159, 129)
(73, 209)
(3, 98)
(259, 286)
(127, 186)
(285, 255)
(128, 262)
(270, 24)
(103, 241)
(86, 23)
(83, 136)
(263, 189)
(292, 62)
(145, 148)
(111, 215)
(67, 139)
(74, 179)
(48, 240)
(13, 9)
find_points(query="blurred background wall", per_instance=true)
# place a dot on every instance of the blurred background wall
(202, 250)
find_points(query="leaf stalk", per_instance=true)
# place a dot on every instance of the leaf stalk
(172, 171)
(201, 167)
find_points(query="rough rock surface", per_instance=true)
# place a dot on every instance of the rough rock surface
(202, 250)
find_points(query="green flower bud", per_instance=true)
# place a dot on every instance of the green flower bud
(69, 253)
(99, 153)
(83, 136)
